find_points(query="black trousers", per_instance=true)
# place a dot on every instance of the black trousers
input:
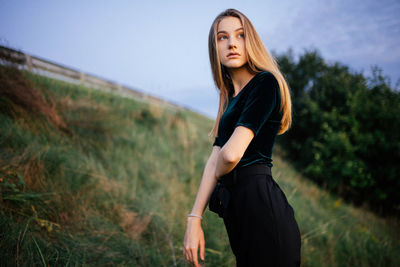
(260, 222)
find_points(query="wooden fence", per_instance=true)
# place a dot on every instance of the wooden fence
(47, 68)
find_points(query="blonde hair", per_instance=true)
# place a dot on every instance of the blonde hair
(259, 59)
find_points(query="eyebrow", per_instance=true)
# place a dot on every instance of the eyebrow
(226, 32)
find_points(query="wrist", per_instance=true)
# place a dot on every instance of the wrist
(194, 220)
(194, 217)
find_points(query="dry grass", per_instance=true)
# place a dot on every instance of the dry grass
(132, 223)
(23, 95)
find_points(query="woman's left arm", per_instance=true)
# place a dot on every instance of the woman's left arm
(231, 153)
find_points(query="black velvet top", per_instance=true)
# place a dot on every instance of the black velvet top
(257, 108)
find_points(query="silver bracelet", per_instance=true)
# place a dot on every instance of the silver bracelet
(195, 215)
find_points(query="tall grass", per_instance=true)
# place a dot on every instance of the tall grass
(111, 180)
(335, 233)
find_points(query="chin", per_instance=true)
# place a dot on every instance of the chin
(235, 65)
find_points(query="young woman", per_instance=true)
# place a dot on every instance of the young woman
(254, 107)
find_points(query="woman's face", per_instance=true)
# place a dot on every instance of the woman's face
(230, 43)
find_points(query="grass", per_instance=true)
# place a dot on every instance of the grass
(105, 180)
(335, 233)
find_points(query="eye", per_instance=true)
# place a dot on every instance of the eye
(221, 37)
(241, 35)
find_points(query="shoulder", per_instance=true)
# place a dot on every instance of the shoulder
(266, 78)
(266, 84)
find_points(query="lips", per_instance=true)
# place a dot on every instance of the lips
(233, 55)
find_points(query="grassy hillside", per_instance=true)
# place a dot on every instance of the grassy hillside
(91, 178)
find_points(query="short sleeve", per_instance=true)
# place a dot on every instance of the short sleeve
(216, 142)
(259, 104)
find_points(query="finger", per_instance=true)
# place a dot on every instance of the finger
(190, 256)
(194, 254)
(202, 249)
(187, 254)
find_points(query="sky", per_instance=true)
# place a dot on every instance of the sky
(160, 47)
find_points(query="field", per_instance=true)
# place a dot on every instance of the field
(91, 178)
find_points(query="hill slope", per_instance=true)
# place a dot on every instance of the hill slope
(91, 178)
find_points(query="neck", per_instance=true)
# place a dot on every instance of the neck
(240, 77)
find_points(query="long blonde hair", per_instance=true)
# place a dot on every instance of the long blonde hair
(259, 59)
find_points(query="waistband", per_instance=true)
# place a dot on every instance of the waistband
(233, 177)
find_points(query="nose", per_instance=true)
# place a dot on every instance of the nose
(232, 43)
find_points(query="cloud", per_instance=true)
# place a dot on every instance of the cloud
(356, 33)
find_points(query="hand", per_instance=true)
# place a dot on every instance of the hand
(194, 237)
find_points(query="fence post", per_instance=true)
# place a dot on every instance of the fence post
(28, 62)
(82, 77)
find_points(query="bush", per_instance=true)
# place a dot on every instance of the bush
(346, 130)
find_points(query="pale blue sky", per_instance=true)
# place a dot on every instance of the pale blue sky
(160, 47)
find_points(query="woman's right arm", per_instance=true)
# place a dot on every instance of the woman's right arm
(194, 237)
(207, 184)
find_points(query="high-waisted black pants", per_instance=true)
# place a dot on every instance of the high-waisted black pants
(260, 222)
